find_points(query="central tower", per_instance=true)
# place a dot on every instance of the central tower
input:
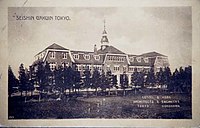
(104, 39)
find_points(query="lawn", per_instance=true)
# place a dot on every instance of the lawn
(138, 106)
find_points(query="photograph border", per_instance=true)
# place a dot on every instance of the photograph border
(194, 122)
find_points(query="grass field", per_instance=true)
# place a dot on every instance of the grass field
(103, 107)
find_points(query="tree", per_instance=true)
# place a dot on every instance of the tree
(134, 77)
(42, 78)
(137, 79)
(140, 79)
(70, 78)
(31, 79)
(167, 76)
(23, 79)
(12, 81)
(77, 80)
(160, 77)
(59, 80)
(188, 79)
(47, 75)
(96, 79)
(114, 80)
(109, 80)
(124, 82)
(175, 81)
(87, 79)
(40, 75)
(103, 81)
(150, 80)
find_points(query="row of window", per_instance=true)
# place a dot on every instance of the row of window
(89, 67)
(98, 67)
(52, 55)
(53, 65)
(86, 57)
(116, 58)
(138, 69)
(139, 59)
(41, 55)
(97, 57)
(116, 68)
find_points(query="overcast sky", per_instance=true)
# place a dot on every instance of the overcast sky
(167, 30)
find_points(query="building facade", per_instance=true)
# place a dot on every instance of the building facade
(106, 58)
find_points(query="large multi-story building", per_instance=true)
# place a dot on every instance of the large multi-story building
(106, 58)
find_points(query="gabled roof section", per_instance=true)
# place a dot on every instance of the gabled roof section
(56, 46)
(152, 54)
(110, 49)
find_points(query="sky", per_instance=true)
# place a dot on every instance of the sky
(133, 30)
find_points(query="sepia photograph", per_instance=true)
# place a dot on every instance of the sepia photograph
(100, 63)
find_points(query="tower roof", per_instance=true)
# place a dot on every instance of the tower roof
(104, 39)
(104, 32)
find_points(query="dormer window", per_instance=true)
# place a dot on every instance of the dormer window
(146, 60)
(87, 57)
(96, 57)
(52, 55)
(64, 55)
(131, 59)
(138, 59)
(76, 56)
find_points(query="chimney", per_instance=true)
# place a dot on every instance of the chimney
(95, 49)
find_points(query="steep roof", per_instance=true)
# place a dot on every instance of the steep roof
(110, 49)
(56, 46)
(152, 54)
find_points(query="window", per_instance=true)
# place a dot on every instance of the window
(146, 60)
(131, 68)
(96, 57)
(108, 67)
(138, 59)
(116, 68)
(65, 64)
(87, 57)
(52, 55)
(131, 59)
(124, 68)
(79, 67)
(64, 55)
(76, 56)
(90, 67)
(109, 57)
(52, 65)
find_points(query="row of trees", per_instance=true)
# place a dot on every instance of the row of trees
(178, 81)
(63, 78)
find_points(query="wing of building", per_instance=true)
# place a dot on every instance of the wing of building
(106, 58)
